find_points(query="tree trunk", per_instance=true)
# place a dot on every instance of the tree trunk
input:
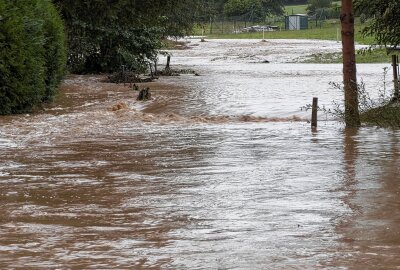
(352, 116)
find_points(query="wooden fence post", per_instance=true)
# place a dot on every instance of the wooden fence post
(395, 64)
(314, 113)
(168, 61)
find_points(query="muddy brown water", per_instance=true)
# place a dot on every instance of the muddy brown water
(219, 171)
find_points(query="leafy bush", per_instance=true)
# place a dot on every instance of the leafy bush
(32, 56)
(55, 48)
(103, 37)
(383, 23)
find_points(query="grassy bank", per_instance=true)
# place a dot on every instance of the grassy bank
(385, 116)
(295, 9)
(362, 57)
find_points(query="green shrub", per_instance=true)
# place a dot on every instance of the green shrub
(55, 48)
(32, 58)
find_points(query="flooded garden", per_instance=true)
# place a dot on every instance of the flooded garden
(217, 171)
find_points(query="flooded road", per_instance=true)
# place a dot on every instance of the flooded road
(219, 171)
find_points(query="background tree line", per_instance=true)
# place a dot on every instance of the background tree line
(257, 9)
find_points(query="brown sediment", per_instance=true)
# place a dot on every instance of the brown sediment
(119, 106)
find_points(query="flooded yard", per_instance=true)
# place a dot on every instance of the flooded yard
(218, 171)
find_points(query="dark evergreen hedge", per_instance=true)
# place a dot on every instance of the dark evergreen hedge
(33, 53)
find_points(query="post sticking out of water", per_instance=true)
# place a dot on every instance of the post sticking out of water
(314, 113)
(395, 63)
(168, 61)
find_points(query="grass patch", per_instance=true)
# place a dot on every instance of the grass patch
(384, 116)
(362, 57)
(374, 56)
(327, 31)
(295, 9)
(302, 9)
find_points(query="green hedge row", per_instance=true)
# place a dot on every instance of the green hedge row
(33, 54)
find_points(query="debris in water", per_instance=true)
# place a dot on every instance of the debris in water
(119, 106)
(144, 94)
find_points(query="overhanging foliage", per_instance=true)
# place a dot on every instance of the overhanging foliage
(103, 36)
(384, 22)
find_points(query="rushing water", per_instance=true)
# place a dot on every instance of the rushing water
(219, 171)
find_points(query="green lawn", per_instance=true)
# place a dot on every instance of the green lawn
(302, 9)
(298, 9)
(330, 30)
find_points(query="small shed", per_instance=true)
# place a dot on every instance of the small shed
(296, 22)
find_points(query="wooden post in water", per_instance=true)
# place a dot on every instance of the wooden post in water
(168, 61)
(314, 113)
(395, 64)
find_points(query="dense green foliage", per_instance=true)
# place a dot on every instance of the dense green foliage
(103, 36)
(295, 2)
(256, 9)
(32, 58)
(384, 24)
(55, 48)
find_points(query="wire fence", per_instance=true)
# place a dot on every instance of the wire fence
(254, 22)
(239, 24)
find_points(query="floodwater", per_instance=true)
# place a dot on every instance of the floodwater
(218, 171)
